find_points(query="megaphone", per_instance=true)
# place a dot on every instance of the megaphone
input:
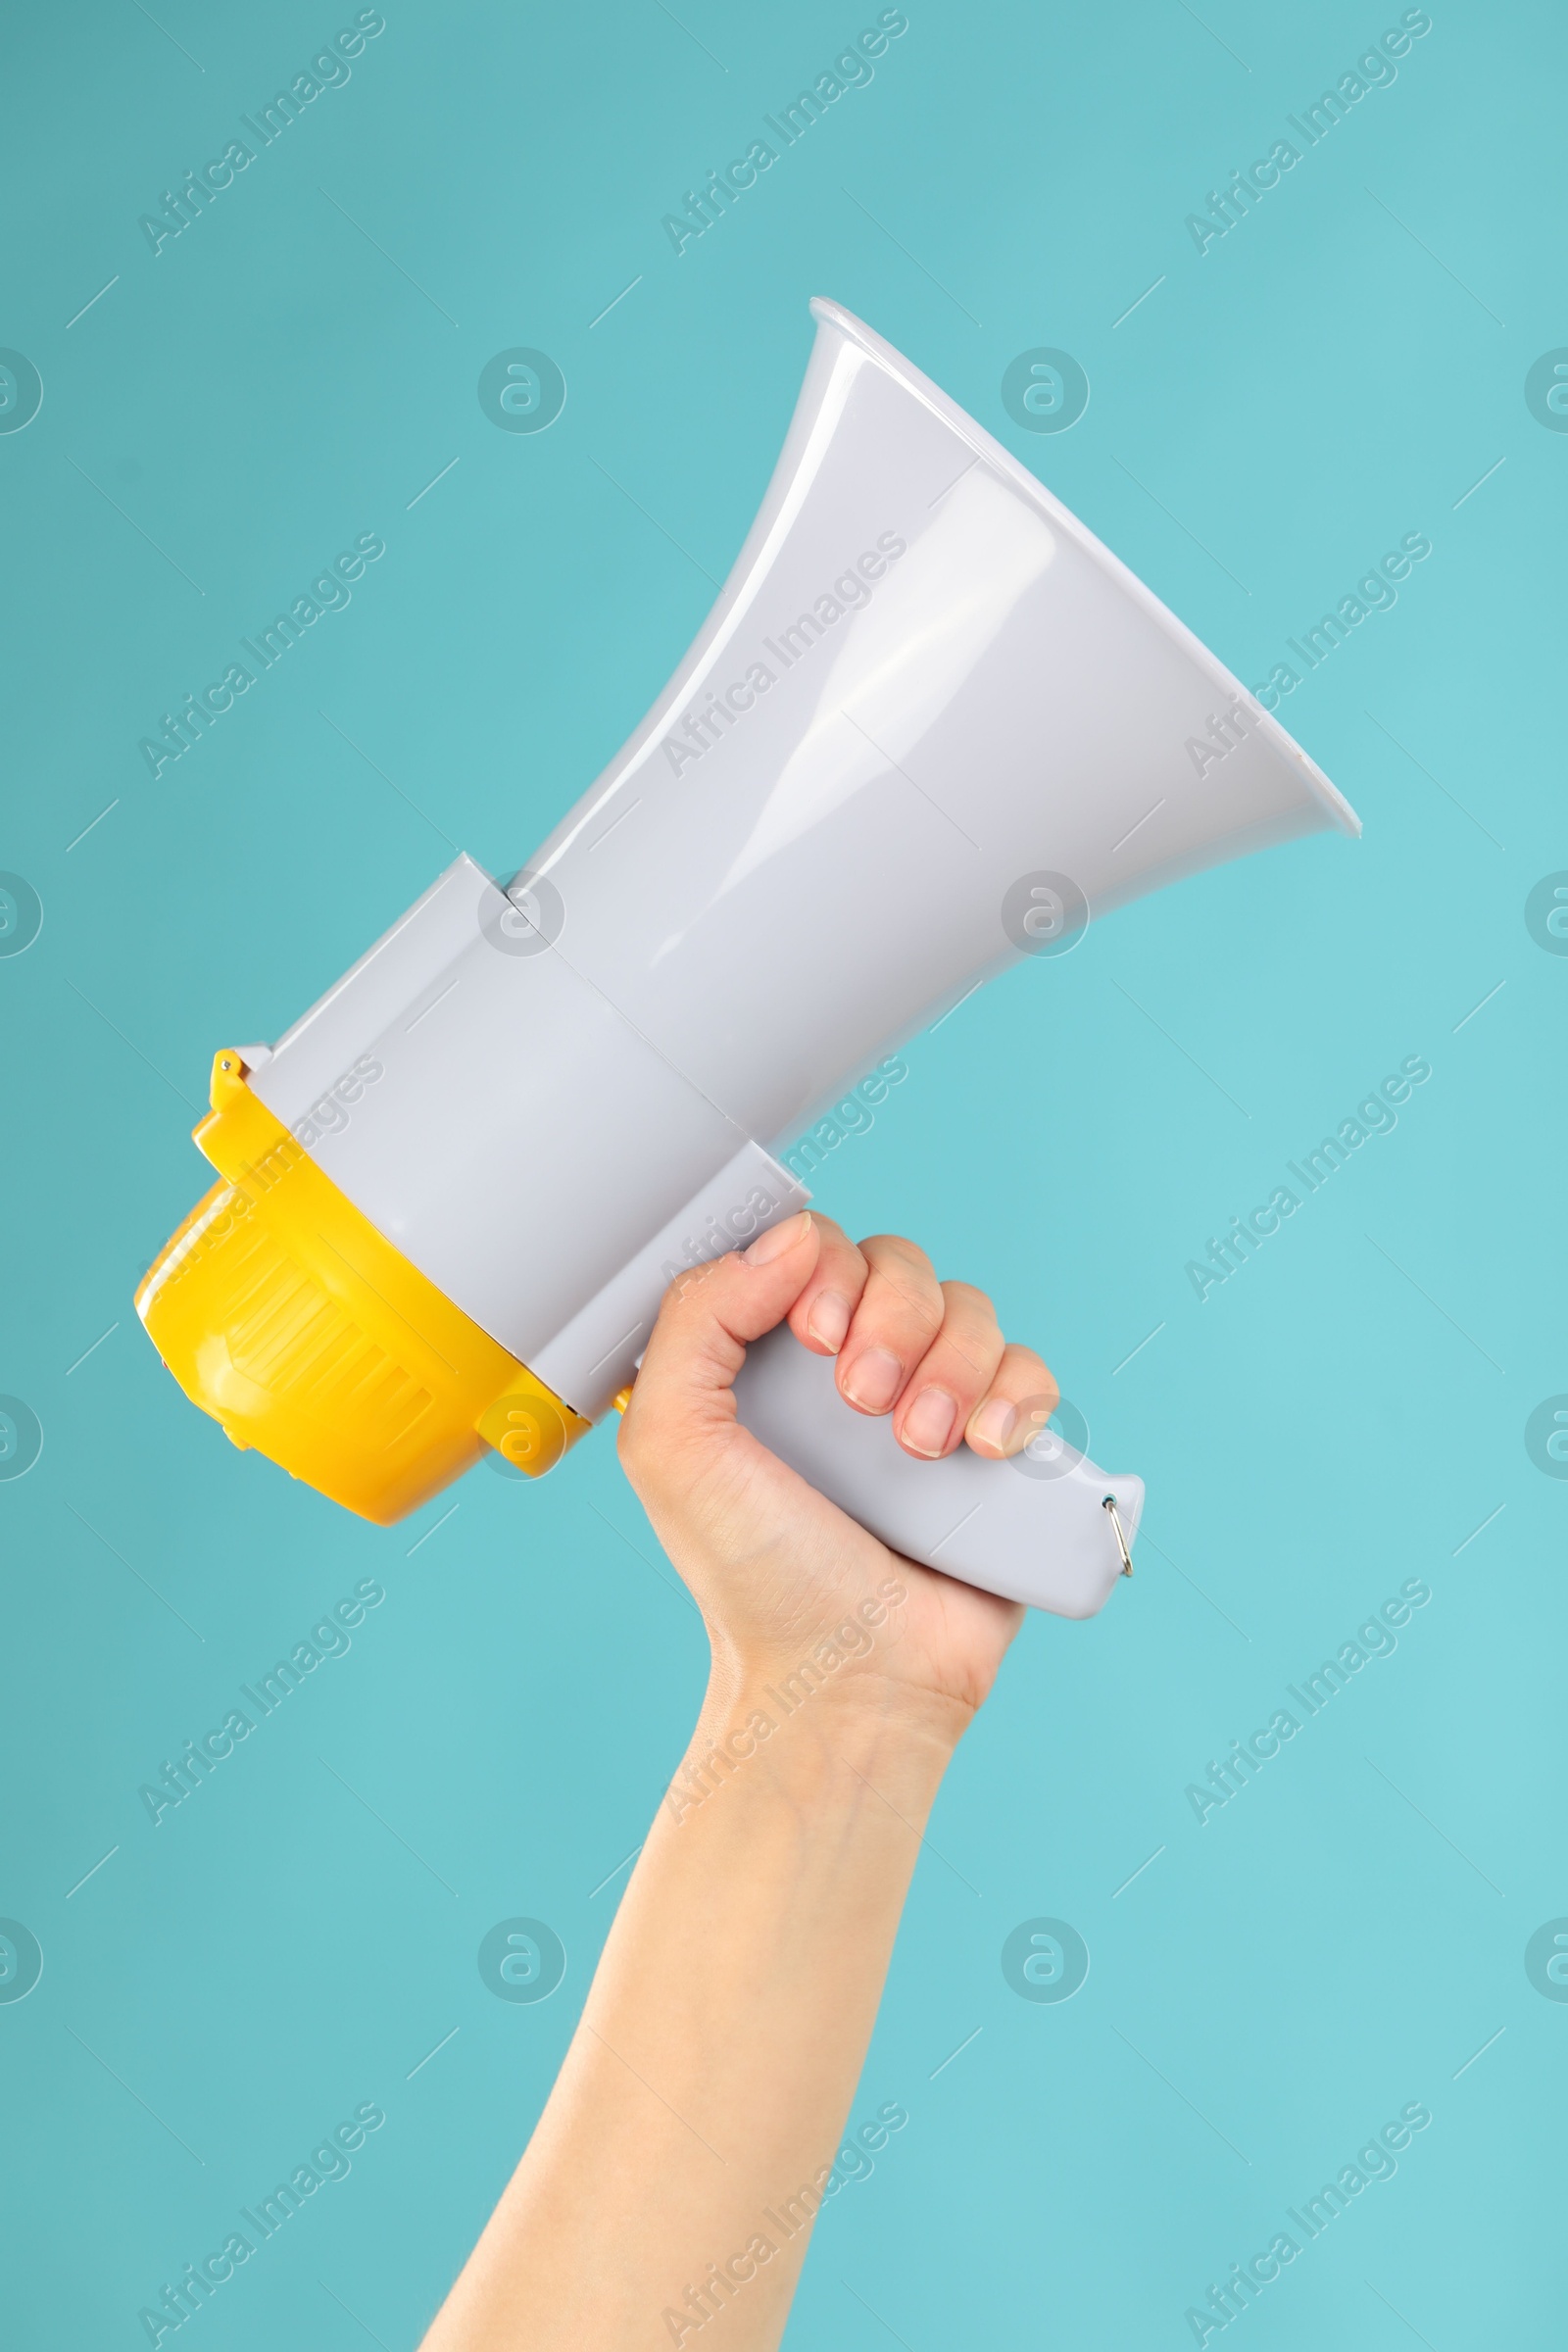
(930, 726)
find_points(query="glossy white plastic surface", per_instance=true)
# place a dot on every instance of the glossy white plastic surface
(1034, 1528)
(925, 695)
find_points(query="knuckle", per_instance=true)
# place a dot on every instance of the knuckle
(897, 1249)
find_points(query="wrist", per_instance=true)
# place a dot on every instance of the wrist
(815, 1736)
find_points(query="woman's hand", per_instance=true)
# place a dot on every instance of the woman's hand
(707, 2089)
(775, 1568)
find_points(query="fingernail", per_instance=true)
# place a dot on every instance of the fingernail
(928, 1422)
(874, 1382)
(995, 1423)
(829, 1320)
(777, 1239)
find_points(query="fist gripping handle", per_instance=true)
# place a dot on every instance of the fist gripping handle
(1034, 1528)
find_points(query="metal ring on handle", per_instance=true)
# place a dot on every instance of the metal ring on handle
(1110, 1504)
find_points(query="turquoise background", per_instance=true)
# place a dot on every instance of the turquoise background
(1341, 1417)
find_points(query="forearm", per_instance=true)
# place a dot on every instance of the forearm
(723, 2035)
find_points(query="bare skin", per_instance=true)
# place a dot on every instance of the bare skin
(670, 2183)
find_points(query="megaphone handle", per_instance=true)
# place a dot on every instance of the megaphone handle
(1054, 1534)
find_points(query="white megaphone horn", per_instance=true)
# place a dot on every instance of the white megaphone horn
(929, 726)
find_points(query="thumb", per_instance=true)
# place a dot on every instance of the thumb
(709, 1316)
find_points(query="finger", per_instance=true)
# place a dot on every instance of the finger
(821, 1315)
(1022, 1399)
(951, 1377)
(899, 1315)
(708, 1318)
